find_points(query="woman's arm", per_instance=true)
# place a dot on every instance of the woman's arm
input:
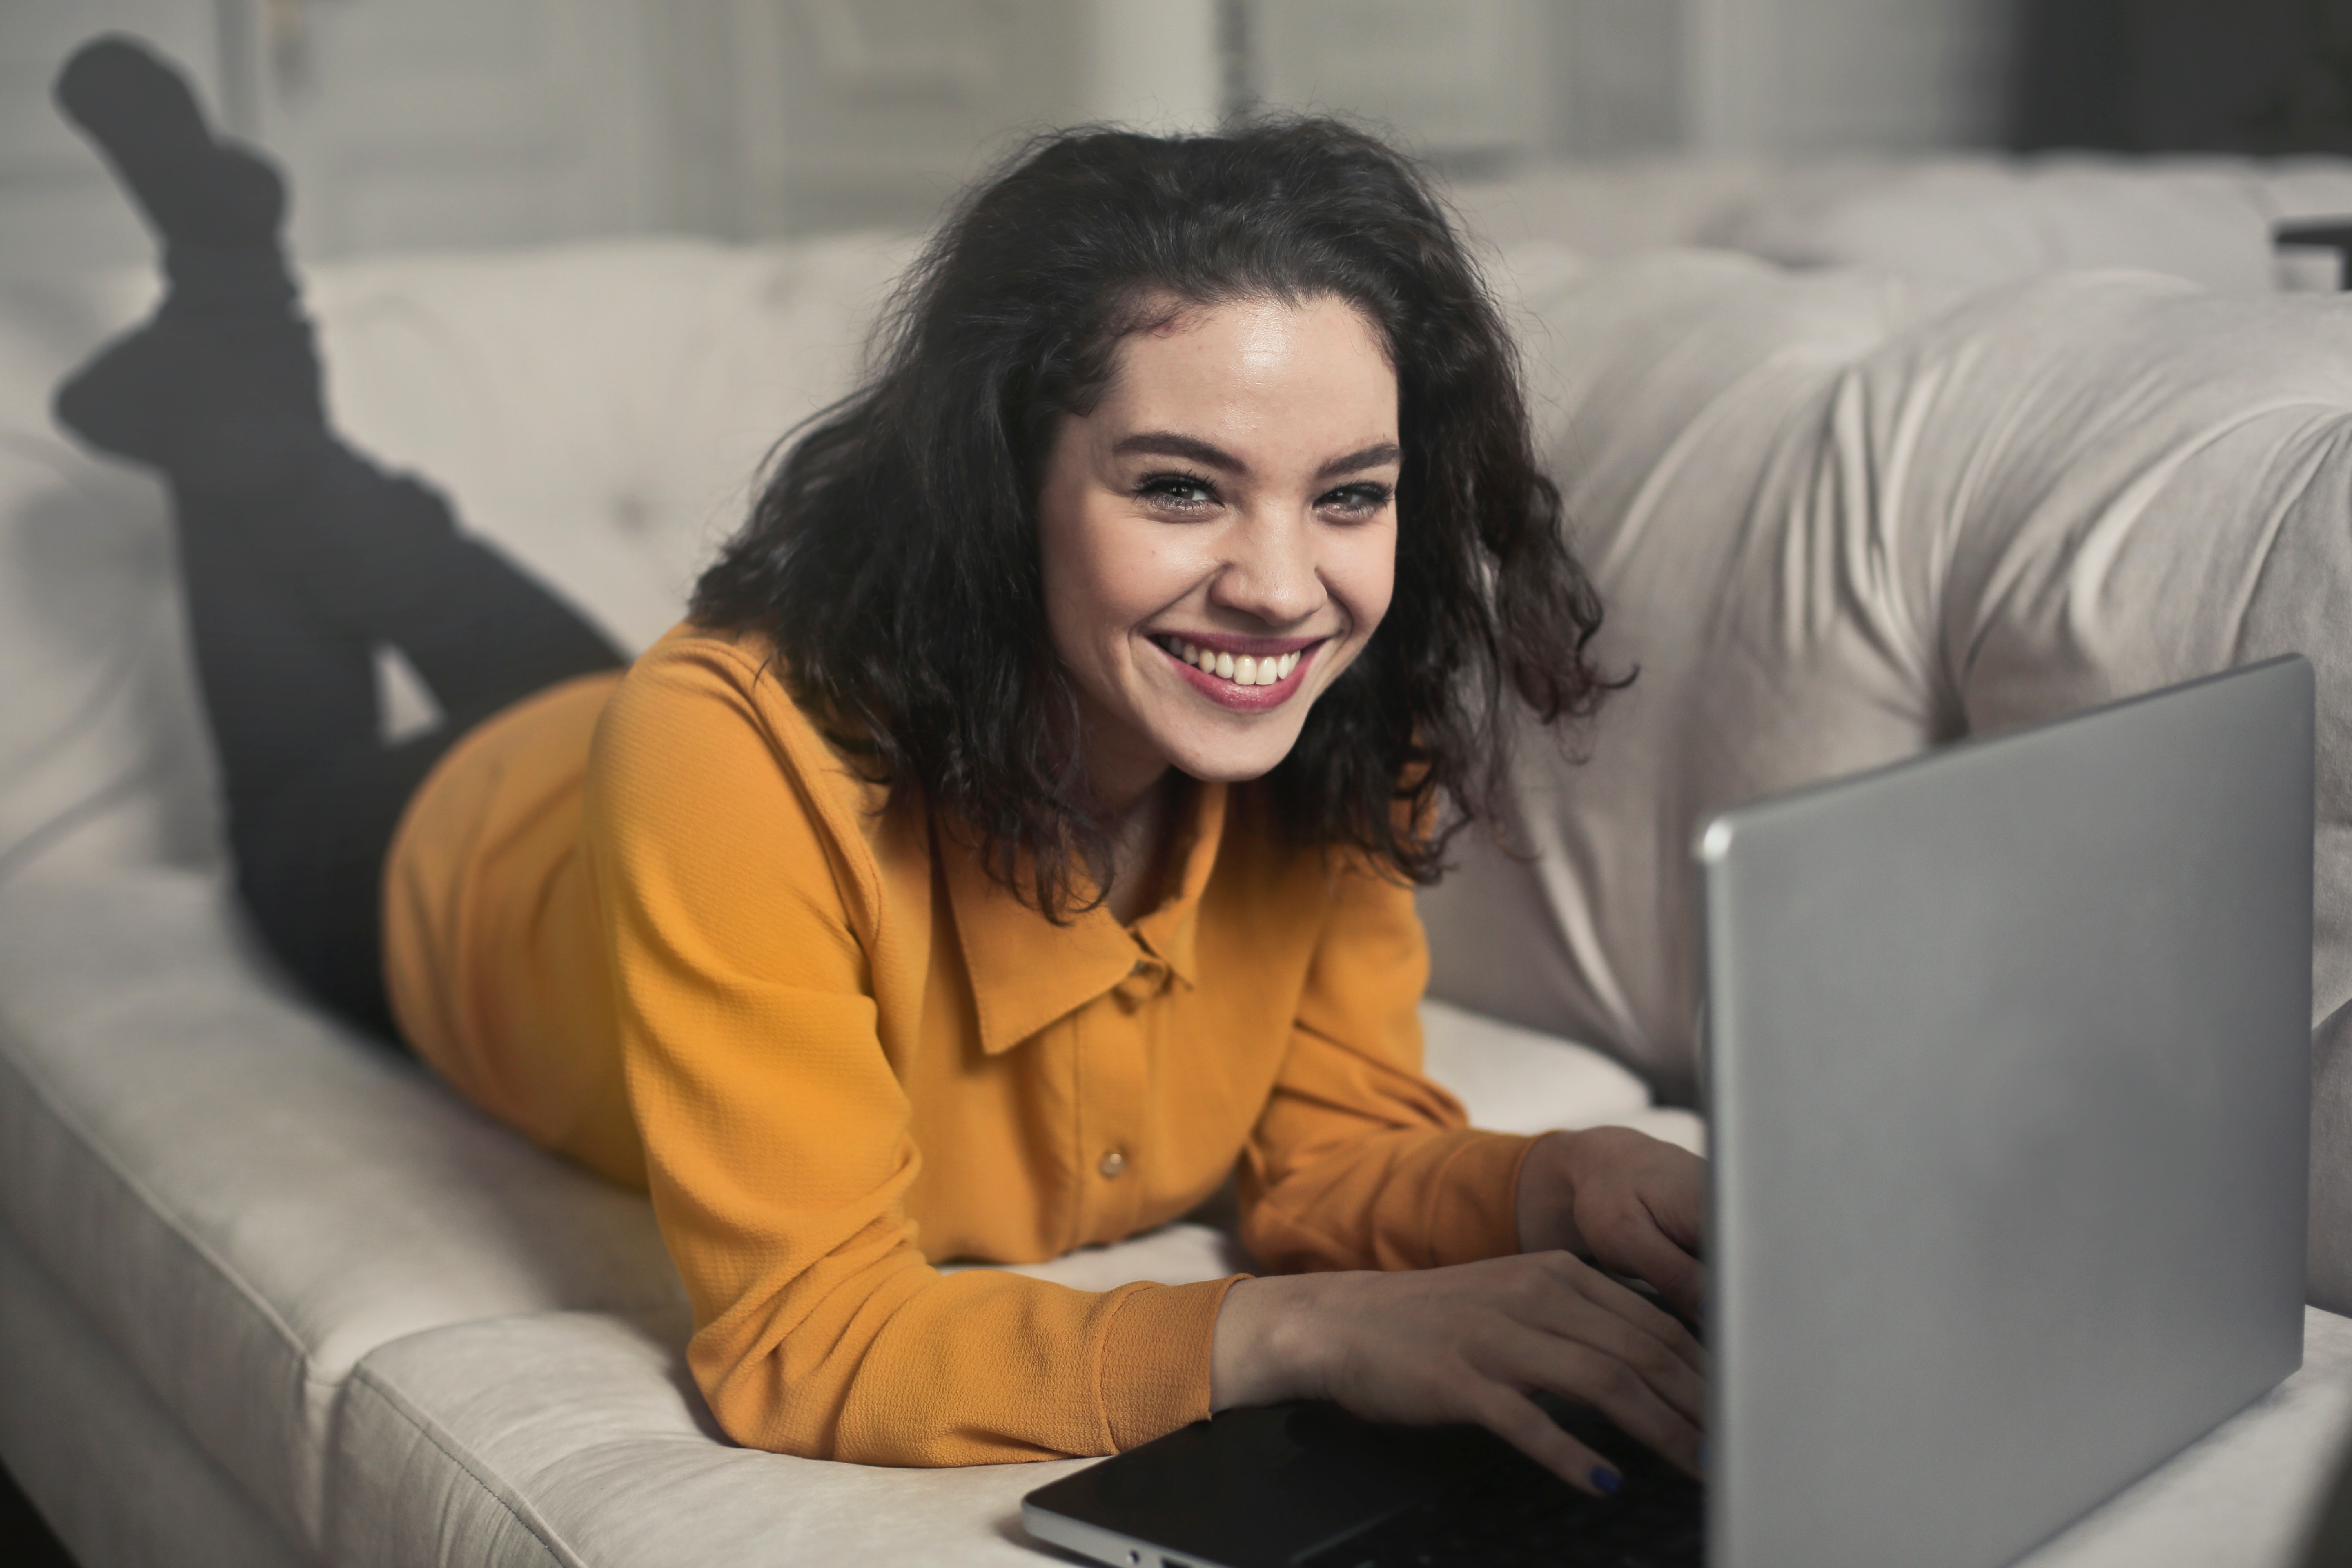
(1631, 1202)
(1469, 1342)
(1359, 1163)
(745, 918)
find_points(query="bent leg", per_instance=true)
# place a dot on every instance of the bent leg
(297, 557)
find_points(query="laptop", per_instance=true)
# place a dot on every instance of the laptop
(2007, 1070)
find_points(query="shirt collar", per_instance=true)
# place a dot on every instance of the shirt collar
(1026, 972)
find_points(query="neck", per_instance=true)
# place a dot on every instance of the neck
(1139, 832)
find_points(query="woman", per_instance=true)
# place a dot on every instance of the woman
(1018, 836)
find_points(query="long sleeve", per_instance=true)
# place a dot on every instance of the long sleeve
(1359, 1161)
(744, 916)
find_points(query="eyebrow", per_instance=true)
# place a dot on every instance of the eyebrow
(1169, 444)
(1372, 457)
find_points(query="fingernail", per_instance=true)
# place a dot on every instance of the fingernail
(1702, 1457)
(1606, 1480)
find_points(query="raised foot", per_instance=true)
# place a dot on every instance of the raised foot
(193, 187)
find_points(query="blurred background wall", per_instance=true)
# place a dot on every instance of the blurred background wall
(436, 123)
(423, 124)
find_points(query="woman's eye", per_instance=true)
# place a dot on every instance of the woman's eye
(1355, 500)
(1179, 491)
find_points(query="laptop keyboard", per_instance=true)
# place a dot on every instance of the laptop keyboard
(1524, 1517)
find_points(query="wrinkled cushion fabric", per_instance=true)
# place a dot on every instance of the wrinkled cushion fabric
(1837, 519)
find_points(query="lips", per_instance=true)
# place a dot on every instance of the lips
(1247, 681)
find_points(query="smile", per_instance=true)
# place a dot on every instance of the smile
(1247, 681)
(1246, 671)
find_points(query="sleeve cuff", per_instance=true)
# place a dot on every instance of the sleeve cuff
(1154, 1375)
(1474, 1203)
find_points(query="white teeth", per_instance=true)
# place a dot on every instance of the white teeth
(1246, 670)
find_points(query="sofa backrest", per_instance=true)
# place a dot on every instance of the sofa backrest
(1969, 220)
(1836, 519)
(601, 411)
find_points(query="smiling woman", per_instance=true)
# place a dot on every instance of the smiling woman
(1018, 837)
(1219, 541)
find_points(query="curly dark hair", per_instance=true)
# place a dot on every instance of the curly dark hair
(892, 558)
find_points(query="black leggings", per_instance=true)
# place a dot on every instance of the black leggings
(288, 598)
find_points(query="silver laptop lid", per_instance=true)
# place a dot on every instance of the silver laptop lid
(2009, 1067)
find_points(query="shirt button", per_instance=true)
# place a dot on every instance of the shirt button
(1111, 1163)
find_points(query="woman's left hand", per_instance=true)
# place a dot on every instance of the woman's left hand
(1631, 1202)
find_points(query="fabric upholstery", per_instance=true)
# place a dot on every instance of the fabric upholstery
(244, 1203)
(1967, 219)
(1980, 221)
(245, 1200)
(1837, 519)
(80, 1432)
(1837, 516)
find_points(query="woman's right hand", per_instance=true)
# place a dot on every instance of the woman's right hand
(1468, 1343)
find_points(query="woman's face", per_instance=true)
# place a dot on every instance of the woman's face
(1219, 536)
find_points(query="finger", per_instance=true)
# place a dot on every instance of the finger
(1613, 1387)
(1658, 1364)
(1515, 1420)
(1649, 1255)
(1647, 1316)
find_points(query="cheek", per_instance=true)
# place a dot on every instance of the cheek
(1362, 575)
(1123, 573)
(1101, 577)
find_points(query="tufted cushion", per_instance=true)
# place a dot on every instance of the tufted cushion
(1837, 519)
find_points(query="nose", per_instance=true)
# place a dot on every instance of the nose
(1270, 570)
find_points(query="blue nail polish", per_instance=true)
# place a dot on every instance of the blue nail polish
(1607, 1480)
(1702, 1458)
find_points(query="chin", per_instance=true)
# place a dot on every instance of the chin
(1230, 763)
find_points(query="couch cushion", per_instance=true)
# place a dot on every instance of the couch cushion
(578, 1440)
(247, 1200)
(1837, 520)
(80, 1433)
(602, 1456)
(1680, 393)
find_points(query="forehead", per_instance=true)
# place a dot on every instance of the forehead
(1255, 365)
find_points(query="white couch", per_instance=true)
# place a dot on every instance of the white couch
(270, 1295)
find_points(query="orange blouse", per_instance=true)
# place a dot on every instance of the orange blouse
(703, 955)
